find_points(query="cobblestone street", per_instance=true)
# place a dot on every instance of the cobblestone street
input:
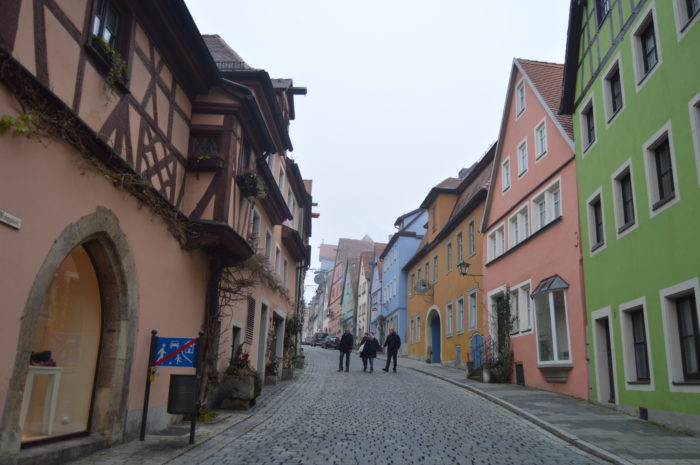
(326, 417)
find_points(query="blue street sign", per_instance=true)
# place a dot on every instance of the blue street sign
(176, 351)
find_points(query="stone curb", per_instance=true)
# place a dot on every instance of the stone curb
(556, 431)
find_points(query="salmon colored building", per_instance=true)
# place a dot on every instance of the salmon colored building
(531, 234)
(445, 319)
(146, 175)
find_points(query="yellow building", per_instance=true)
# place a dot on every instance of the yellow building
(445, 317)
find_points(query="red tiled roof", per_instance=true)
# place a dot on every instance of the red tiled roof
(547, 78)
(449, 183)
(327, 251)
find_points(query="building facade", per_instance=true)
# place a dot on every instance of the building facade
(531, 208)
(637, 123)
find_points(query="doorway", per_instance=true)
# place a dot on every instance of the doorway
(435, 338)
(604, 357)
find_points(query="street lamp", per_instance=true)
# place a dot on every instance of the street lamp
(463, 268)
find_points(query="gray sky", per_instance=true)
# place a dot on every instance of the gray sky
(402, 93)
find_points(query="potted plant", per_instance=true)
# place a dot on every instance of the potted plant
(271, 371)
(251, 185)
(117, 70)
(240, 386)
(205, 162)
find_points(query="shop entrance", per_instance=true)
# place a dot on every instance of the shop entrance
(58, 392)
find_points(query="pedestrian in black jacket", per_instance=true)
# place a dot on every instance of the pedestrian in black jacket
(345, 349)
(360, 349)
(392, 343)
(369, 352)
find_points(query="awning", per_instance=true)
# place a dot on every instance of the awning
(553, 283)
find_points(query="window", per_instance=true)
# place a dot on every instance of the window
(285, 274)
(588, 125)
(520, 98)
(413, 283)
(540, 140)
(254, 238)
(278, 259)
(418, 328)
(420, 274)
(547, 206)
(460, 315)
(635, 348)
(552, 328)
(521, 316)
(427, 271)
(694, 107)
(661, 175)
(613, 92)
(472, 310)
(448, 259)
(268, 246)
(624, 198)
(448, 317)
(106, 23)
(411, 333)
(639, 340)
(496, 243)
(435, 268)
(692, 7)
(460, 255)
(205, 145)
(280, 179)
(596, 226)
(602, 8)
(505, 175)
(271, 162)
(472, 238)
(522, 158)
(679, 305)
(686, 12)
(646, 54)
(689, 334)
(519, 227)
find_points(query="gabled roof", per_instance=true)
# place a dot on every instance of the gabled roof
(378, 251)
(448, 186)
(547, 79)
(327, 251)
(221, 52)
(544, 79)
(366, 261)
(401, 218)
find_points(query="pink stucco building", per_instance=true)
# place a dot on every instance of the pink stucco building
(531, 229)
(157, 161)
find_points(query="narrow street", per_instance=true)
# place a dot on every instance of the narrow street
(326, 417)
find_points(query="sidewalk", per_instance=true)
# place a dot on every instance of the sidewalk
(606, 433)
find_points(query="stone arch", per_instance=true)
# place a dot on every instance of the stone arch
(99, 233)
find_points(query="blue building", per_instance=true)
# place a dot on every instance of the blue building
(394, 288)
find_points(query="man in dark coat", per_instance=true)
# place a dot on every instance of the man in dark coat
(345, 349)
(392, 343)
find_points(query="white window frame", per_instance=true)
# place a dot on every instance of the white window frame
(411, 333)
(505, 175)
(418, 328)
(546, 195)
(597, 194)
(280, 180)
(285, 274)
(278, 259)
(459, 250)
(471, 225)
(522, 303)
(683, 22)
(473, 312)
(615, 65)
(556, 361)
(459, 301)
(670, 326)
(520, 101)
(522, 157)
(601, 362)
(448, 319)
(448, 257)
(519, 226)
(618, 209)
(540, 142)
(436, 268)
(641, 77)
(255, 235)
(665, 133)
(268, 246)
(497, 242)
(586, 144)
(694, 109)
(627, 340)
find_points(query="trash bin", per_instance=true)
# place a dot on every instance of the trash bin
(182, 396)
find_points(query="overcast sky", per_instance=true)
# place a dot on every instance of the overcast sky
(401, 93)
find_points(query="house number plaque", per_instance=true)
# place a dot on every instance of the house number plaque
(10, 220)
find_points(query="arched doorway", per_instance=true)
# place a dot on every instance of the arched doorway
(95, 250)
(58, 392)
(435, 341)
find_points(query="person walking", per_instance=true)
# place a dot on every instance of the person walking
(362, 352)
(392, 343)
(369, 352)
(345, 349)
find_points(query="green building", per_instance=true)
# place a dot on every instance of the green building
(632, 84)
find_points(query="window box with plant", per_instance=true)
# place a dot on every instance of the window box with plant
(251, 185)
(241, 385)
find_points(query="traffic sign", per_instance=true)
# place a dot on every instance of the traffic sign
(176, 352)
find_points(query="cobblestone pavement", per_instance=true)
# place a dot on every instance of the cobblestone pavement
(326, 417)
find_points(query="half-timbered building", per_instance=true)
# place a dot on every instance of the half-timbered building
(136, 171)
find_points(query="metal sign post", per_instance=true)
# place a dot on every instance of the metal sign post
(198, 376)
(149, 374)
